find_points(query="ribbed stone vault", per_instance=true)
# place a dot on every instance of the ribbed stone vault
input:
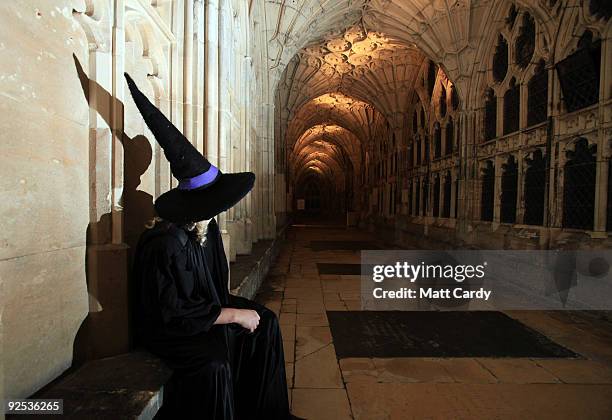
(336, 96)
(361, 65)
(447, 31)
(345, 74)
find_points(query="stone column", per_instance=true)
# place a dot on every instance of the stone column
(601, 181)
(224, 51)
(118, 92)
(105, 331)
(269, 152)
(497, 190)
(240, 226)
(520, 188)
(472, 174)
(199, 85)
(175, 92)
(211, 70)
(187, 74)
(258, 169)
(553, 206)
(215, 140)
(247, 140)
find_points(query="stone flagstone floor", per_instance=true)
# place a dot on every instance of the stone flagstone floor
(322, 387)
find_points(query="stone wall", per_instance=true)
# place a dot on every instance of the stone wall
(80, 169)
(45, 180)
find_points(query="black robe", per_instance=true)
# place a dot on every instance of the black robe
(220, 371)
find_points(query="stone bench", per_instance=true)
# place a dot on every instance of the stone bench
(248, 271)
(132, 385)
(127, 386)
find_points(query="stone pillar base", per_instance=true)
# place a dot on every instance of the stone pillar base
(248, 237)
(242, 237)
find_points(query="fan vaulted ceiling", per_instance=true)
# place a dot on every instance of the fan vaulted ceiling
(354, 65)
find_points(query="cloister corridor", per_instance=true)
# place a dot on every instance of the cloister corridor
(324, 386)
(388, 125)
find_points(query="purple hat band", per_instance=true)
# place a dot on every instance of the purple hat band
(199, 181)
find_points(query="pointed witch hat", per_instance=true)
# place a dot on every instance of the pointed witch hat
(203, 190)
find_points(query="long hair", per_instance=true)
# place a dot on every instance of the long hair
(198, 229)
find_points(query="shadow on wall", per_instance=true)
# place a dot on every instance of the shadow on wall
(105, 331)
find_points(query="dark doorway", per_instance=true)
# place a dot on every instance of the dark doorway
(312, 197)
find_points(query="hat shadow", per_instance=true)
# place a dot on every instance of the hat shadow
(137, 206)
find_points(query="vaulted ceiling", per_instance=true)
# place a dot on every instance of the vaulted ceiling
(352, 81)
(447, 31)
(354, 65)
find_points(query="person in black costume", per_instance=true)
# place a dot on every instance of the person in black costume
(226, 351)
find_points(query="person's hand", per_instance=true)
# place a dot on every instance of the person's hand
(247, 318)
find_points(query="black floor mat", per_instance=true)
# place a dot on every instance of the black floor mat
(341, 269)
(437, 334)
(342, 245)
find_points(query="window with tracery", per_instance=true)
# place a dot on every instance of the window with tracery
(537, 96)
(442, 102)
(426, 145)
(509, 190)
(511, 18)
(602, 9)
(437, 141)
(579, 186)
(431, 77)
(579, 74)
(500, 59)
(512, 105)
(525, 42)
(454, 98)
(535, 189)
(449, 138)
(422, 118)
(415, 124)
(490, 115)
(408, 156)
(418, 151)
(488, 192)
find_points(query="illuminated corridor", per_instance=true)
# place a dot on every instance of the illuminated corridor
(368, 124)
(326, 384)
